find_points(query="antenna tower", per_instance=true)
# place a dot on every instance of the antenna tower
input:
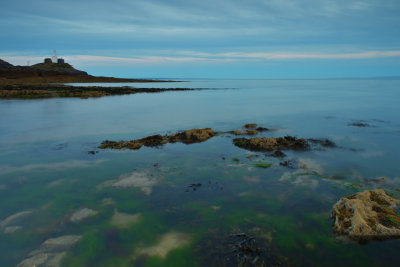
(54, 57)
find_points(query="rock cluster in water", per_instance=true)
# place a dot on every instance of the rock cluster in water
(366, 216)
(249, 129)
(201, 135)
(186, 137)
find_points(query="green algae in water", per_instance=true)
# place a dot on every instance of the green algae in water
(178, 257)
(236, 160)
(263, 165)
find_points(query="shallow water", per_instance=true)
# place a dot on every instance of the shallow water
(161, 220)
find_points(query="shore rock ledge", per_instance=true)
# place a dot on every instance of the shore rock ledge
(186, 137)
(271, 143)
(366, 216)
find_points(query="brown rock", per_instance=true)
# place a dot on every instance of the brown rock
(271, 143)
(250, 126)
(367, 216)
(193, 136)
(187, 137)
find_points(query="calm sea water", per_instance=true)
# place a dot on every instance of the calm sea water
(45, 169)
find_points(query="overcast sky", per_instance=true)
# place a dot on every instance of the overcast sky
(215, 39)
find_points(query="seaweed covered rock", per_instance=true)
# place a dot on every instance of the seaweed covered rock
(186, 137)
(132, 144)
(249, 129)
(272, 143)
(192, 136)
(366, 216)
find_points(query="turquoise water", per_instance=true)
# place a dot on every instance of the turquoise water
(45, 168)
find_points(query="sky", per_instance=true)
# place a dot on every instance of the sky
(263, 39)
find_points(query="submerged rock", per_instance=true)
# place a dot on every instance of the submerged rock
(323, 142)
(124, 220)
(250, 126)
(11, 229)
(186, 137)
(244, 251)
(167, 243)
(51, 252)
(246, 132)
(289, 164)
(359, 124)
(272, 143)
(366, 216)
(262, 129)
(249, 129)
(278, 154)
(142, 180)
(8, 225)
(82, 214)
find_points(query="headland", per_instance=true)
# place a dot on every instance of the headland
(48, 79)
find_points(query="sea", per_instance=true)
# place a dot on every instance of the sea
(65, 202)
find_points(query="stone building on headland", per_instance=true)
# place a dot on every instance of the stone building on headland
(54, 59)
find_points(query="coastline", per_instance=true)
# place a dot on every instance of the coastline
(59, 90)
(30, 83)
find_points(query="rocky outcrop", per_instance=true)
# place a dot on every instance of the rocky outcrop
(186, 137)
(366, 216)
(192, 136)
(272, 143)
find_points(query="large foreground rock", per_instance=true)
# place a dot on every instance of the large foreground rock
(366, 216)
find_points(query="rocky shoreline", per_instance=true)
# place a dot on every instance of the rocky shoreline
(59, 90)
(46, 80)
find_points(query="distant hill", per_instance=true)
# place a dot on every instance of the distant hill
(5, 65)
(8, 70)
(64, 68)
(45, 73)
